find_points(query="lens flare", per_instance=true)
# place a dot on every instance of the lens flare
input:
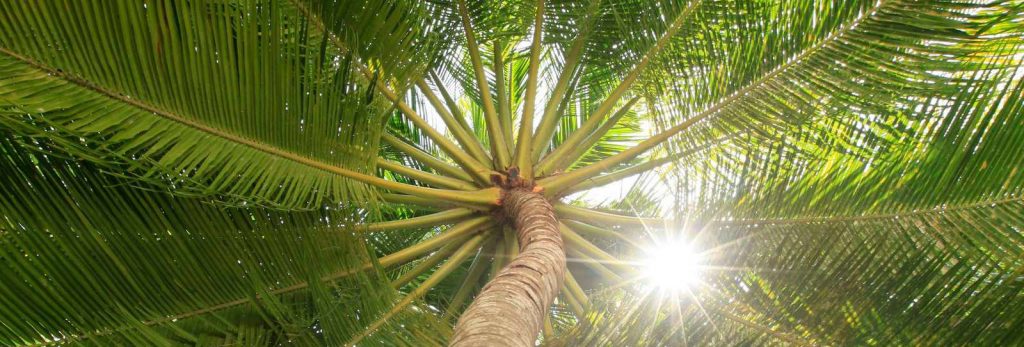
(672, 266)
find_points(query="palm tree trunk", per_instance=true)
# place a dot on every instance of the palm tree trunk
(510, 309)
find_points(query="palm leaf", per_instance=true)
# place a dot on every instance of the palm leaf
(244, 65)
(200, 173)
(88, 272)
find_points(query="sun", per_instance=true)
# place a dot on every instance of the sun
(672, 266)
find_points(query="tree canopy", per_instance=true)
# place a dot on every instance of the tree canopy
(309, 172)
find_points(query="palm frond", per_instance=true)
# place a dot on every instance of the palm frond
(209, 172)
(83, 272)
(243, 66)
(943, 277)
(823, 103)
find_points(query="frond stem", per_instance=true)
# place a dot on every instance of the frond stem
(549, 120)
(592, 216)
(584, 228)
(439, 218)
(606, 106)
(453, 263)
(574, 240)
(593, 182)
(425, 177)
(500, 253)
(552, 164)
(461, 134)
(457, 231)
(453, 106)
(476, 169)
(501, 90)
(424, 265)
(524, 146)
(576, 255)
(574, 305)
(499, 145)
(576, 290)
(472, 279)
(404, 199)
(425, 158)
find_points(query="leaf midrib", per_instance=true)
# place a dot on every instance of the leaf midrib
(257, 145)
(841, 219)
(798, 59)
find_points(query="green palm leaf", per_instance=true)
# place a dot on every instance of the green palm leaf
(243, 66)
(396, 173)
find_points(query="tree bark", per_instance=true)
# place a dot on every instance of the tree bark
(511, 308)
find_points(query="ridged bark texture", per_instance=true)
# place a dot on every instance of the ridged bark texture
(510, 309)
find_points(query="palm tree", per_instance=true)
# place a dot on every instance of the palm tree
(383, 172)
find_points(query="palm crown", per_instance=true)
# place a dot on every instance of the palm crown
(260, 172)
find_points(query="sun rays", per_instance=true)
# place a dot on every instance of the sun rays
(671, 266)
